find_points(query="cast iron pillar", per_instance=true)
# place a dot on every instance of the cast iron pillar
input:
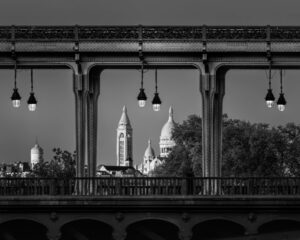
(212, 87)
(218, 124)
(92, 110)
(81, 92)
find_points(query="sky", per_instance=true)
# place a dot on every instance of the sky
(54, 121)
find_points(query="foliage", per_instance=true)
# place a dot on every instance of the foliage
(179, 159)
(62, 165)
(248, 149)
(185, 158)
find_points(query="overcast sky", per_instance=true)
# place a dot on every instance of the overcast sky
(54, 121)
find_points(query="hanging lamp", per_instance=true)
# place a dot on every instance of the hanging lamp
(15, 97)
(281, 100)
(156, 102)
(270, 97)
(142, 98)
(32, 102)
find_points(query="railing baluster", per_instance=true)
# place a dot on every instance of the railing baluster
(118, 186)
(157, 186)
(183, 186)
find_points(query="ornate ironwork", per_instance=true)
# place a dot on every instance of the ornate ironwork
(5, 33)
(171, 33)
(125, 33)
(159, 186)
(108, 33)
(44, 33)
(236, 33)
(285, 33)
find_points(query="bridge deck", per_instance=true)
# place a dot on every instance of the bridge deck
(179, 204)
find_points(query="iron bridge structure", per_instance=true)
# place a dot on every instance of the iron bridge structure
(153, 209)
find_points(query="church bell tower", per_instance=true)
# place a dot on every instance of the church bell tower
(124, 141)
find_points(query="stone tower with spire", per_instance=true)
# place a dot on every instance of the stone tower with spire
(124, 141)
(166, 142)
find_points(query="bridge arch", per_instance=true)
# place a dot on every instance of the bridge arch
(152, 229)
(279, 225)
(217, 228)
(95, 78)
(97, 68)
(86, 228)
(19, 229)
(236, 220)
(169, 219)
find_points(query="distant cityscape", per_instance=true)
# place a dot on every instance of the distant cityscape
(23, 169)
(124, 160)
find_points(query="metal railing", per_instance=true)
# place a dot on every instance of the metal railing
(138, 32)
(150, 186)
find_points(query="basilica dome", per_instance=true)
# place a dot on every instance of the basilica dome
(166, 131)
(149, 153)
(166, 142)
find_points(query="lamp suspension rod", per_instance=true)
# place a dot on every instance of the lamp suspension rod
(15, 70)
(31, 75)
(280, 80)
(156, 80)
(270, 72)
(142, 79)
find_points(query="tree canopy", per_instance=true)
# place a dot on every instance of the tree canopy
(62, 165)
(249, 149)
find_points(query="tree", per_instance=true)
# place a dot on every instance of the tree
(178, 164)
(67, 162)
(189, 135)
(248, 149)
(236, 135)
(62, 165)
(290, 149)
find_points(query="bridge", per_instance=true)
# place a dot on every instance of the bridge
(89, 50)
(170, 208)
(150, 208)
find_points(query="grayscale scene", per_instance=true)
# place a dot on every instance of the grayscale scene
(149, 120)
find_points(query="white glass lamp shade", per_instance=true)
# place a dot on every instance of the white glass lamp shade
(16, 103)
(156, 107)
(142, 103)
(270, 103)
(281, 108)
(32, 107)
